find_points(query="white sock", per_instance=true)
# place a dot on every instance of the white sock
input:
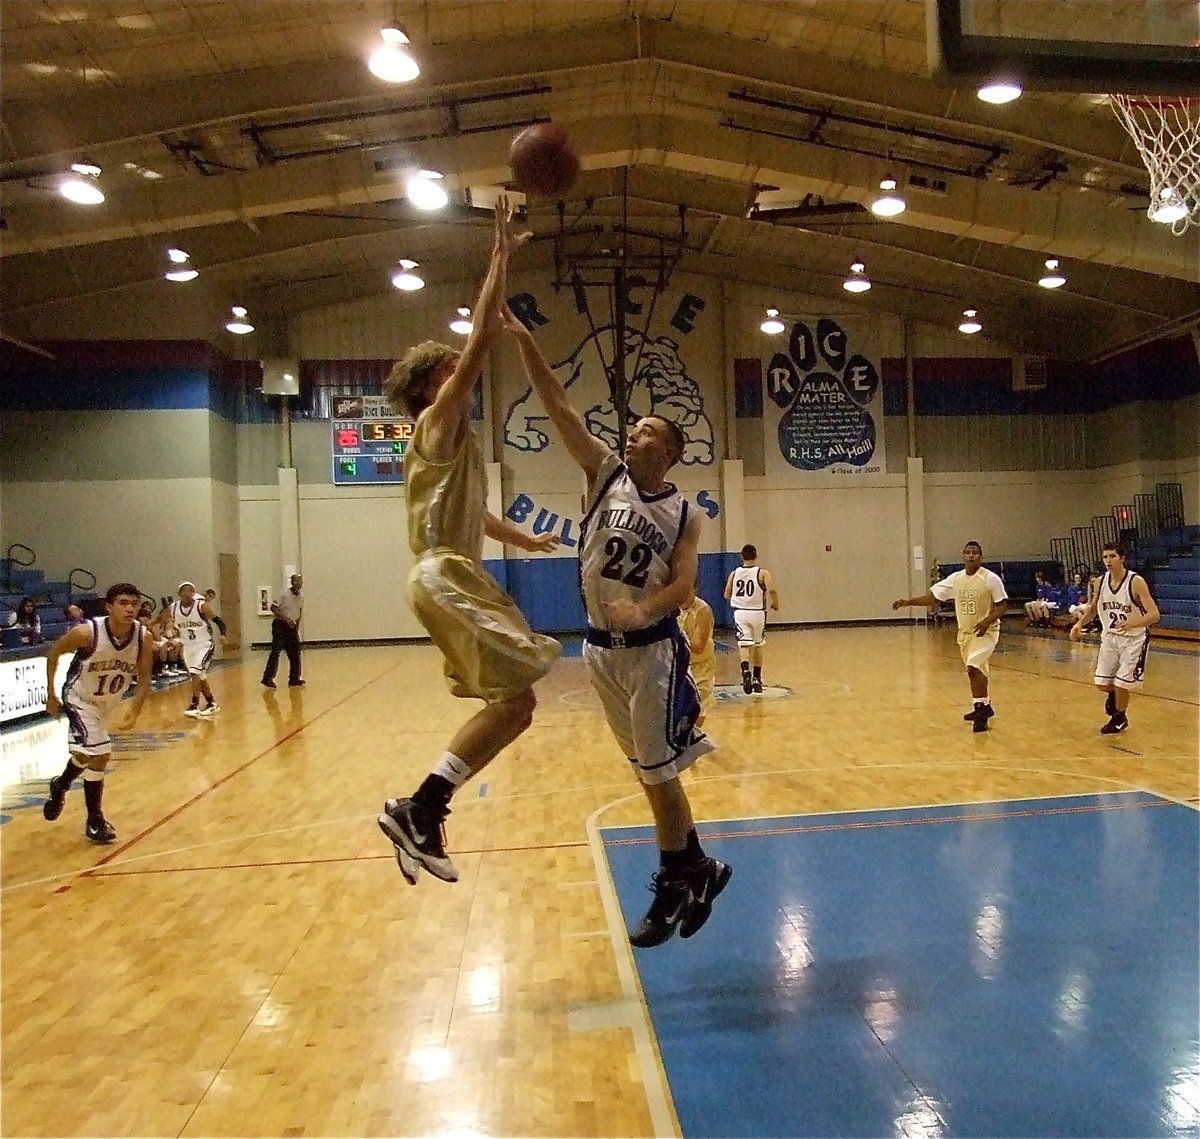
(981, 701)
(452, 769)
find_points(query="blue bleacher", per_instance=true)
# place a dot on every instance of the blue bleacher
(1176, 584)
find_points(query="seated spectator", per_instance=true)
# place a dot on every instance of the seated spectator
(72, 614)
(27, 621)
(168, 644)
(1041, 608)
(1075, 598)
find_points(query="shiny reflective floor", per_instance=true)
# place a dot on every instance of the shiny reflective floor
(246, 960)
(1017, 969)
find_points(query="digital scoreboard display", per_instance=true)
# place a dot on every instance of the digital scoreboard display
(369, 441)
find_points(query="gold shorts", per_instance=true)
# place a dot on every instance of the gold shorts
(491, 653)
(976, 651)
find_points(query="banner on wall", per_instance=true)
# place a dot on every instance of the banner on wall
(670, 360)
(825, 402)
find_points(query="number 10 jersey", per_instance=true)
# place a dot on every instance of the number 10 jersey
(627, 539)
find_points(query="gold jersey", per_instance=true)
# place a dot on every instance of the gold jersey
(704, 663)
(973, 594)
(446, 501)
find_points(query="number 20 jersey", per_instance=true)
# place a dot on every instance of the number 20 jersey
(627, 539)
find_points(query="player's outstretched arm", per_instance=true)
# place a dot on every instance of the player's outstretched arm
(926, 599)
(457, 394)
(581, 445)
(504, 531)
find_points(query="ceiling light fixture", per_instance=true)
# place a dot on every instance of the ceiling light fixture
(1053, 277)
(392, 62)
(999, 91)
(1169, 208)
(405, 279)
(858, 281)
(238, 323)
(179, 267)
(425, 191)
(772, 326)
(970, 325)
(889, 203)
(462, 322)
(80, 187)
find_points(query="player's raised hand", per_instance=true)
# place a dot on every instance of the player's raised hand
(507, 242)
(544, 543)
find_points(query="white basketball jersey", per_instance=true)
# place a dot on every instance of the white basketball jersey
(1115, 606)
(193, 629)
(627, 540)
(748, 592)
(102, 674)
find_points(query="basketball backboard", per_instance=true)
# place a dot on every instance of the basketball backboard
(1146, 47)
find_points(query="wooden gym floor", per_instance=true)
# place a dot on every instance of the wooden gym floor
(246, 959)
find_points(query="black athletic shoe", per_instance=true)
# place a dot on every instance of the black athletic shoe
(988, 710)
(101, 831)
(268, 684)
(757, 686)
(295, 683)
(980, 719)
(707, 881)
(419, 834)
(747, 683)
(672, 903)
(1118, 723)
(53, 806)
(1110, 704)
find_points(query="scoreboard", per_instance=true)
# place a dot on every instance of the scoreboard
(369, 441)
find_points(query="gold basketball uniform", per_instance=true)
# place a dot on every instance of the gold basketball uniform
(704, 663)
(491, 652)
(973, 594)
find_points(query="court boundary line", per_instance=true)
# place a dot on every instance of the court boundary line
(659, 1100)
(1123, 787)
(993, 816)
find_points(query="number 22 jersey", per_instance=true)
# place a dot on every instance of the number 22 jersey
(627, 539)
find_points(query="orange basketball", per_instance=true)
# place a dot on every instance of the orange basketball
(543, 161)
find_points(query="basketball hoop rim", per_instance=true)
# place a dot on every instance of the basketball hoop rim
(1155, 101)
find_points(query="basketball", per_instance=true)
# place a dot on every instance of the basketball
(543, 161)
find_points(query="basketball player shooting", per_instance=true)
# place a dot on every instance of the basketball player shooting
(490, 652)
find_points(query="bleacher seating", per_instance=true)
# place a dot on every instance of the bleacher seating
(1175, 578)
(51, 598)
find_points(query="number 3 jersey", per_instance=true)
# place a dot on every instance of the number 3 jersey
(101, 675)
(627, 539)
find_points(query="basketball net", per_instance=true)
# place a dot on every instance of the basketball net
(1167, 135)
